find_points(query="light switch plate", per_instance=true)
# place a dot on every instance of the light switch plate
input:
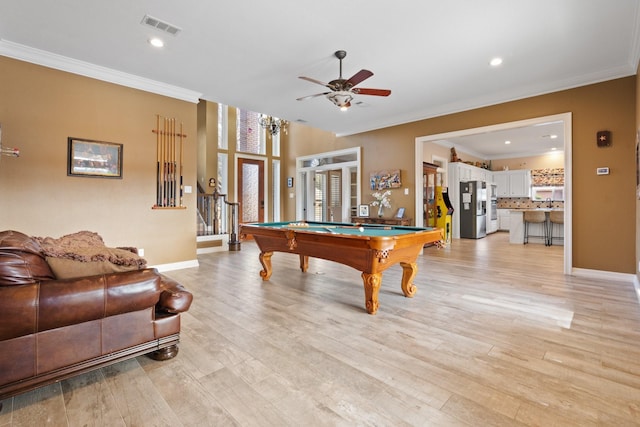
(602, 171)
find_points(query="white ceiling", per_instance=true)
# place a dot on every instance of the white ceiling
(525, 141)
(433, 55)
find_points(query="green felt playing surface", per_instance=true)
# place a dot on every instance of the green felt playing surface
(372, 230)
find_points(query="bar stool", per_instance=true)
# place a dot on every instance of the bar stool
(536, 217)
(555, 217)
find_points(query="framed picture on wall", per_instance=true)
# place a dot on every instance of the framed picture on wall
(382, 180)
(363, 210)
(95, 159)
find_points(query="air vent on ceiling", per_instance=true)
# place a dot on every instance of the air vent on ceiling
(161, 25)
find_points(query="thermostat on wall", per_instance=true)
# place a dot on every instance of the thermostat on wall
(602, 171)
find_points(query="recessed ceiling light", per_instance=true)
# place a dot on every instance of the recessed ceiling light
(507, 142)
(553, 136)
(553, 148)
(156, 42)
(495, 62)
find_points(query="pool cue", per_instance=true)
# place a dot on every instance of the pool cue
(158, 192)
(164, 164)
(380, 227)
(174, 177)
(164, 129)
(174, 165)
(172, 172)
(168, 160)
(181, 164)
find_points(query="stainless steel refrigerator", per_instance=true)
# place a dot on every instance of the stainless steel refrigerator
(473, 209)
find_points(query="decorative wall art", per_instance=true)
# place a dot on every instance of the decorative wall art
(381, 180)
(95, 159)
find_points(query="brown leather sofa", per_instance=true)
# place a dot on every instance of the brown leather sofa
(53, 329)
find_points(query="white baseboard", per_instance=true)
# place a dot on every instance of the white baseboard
(176, 265)
(603, 275)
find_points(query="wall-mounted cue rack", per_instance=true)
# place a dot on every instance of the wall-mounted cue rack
(169, 174)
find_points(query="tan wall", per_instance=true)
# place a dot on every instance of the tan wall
(300, 141)
(432, 149)
(207, 145)
(598, 201)
(39, 109)
(637, 154)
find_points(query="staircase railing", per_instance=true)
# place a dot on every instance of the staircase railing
(216, 215)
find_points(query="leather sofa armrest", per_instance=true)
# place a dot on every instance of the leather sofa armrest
(174, 298)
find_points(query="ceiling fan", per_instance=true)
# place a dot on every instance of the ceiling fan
(342, 90)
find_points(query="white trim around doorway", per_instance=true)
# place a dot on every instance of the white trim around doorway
(568, 184)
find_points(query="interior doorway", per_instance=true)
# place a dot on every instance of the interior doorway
(327, 203)
(251, 190)
(329, 187)
(565, 118)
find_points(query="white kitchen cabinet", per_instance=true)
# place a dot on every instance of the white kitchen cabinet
(515, 183)
(501, 179)
(504, 219)
(466, 172)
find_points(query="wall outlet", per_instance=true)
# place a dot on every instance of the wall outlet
(188, 189)
(140, 252)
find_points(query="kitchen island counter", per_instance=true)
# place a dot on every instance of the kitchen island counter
(516, 229)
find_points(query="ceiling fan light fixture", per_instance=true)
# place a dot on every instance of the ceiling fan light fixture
(341, 99)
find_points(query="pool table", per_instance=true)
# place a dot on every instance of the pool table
(369, 248)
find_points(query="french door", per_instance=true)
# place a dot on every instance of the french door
(251, 190)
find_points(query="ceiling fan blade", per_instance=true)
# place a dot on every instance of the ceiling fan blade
(358, 77)
(312, 96)
(376, 92)
(309, 79)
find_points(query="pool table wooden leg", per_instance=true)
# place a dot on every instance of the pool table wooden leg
(372, 283)
(304, 263)
(409, 270)
(265, 260)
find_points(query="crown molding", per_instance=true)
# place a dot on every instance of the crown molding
(70, 65)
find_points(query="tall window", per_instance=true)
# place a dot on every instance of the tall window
(275, 144)
(223, 119)
(250, 135)
(276, 190)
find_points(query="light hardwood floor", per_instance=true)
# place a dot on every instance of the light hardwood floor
(496, 336)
